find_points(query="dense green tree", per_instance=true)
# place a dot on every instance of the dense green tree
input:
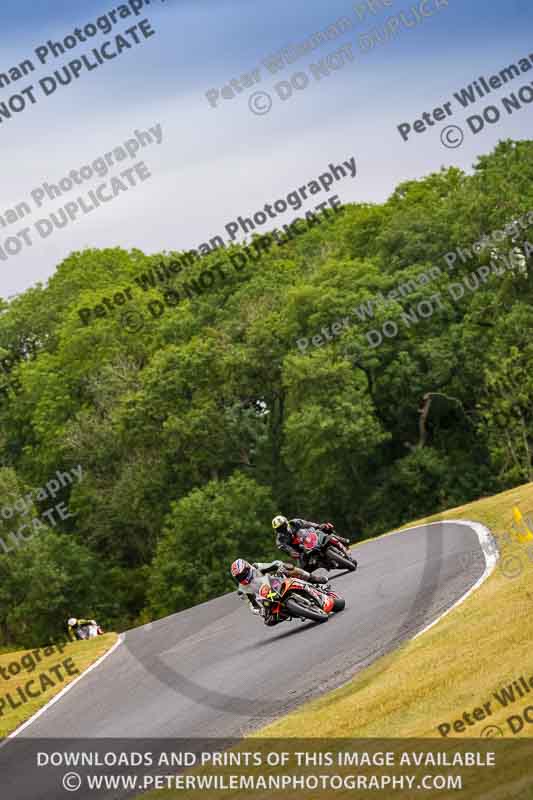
(217, 410)
(44, 582)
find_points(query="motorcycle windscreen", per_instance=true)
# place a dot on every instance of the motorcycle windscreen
(275, 583)
(309, 538)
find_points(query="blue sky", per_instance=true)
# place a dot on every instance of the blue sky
(216, 163)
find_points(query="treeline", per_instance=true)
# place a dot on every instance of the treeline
(194, 429)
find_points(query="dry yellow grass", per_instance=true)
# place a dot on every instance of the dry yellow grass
(50, 675)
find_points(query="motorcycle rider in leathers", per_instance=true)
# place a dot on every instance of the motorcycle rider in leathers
(285, 531)
(251, 577)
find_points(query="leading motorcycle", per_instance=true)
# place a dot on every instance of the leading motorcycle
(284, 597)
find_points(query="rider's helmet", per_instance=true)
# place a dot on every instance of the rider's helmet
(242, 571)
(72, 621)
(280, 524)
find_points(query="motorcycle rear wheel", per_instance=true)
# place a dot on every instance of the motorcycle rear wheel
(301, 607)
(340, 560)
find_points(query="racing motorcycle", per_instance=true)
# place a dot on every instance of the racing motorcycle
(323, 549)
(285, 598)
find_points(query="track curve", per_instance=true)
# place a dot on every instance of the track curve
(215, 671)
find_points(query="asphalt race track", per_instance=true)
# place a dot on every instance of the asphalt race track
(216, 671)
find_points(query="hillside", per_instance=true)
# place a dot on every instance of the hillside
(372, 369)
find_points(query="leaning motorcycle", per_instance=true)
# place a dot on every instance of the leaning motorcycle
(324, 550)
(286, 598)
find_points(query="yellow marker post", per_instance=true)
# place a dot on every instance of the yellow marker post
(518, 523)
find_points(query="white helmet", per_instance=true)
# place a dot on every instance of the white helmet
(72, 621)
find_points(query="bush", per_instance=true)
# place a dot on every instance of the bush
(203, 534)
(44, 582)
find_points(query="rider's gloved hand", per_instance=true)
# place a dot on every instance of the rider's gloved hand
(327, 526)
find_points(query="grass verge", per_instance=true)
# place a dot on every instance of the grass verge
(42, 672)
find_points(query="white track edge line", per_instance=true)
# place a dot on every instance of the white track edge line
(63, 691)
(488, 546)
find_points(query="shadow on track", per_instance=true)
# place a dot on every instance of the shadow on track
(303, 626)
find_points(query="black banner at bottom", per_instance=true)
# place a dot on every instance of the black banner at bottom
(221, 769)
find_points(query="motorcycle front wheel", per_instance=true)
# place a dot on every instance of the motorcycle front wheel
(299, 606)
(341, 561)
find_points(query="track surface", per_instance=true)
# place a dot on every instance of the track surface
(216, 671)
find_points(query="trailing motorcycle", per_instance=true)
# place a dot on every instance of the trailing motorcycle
(324, 549)
(285, 598)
